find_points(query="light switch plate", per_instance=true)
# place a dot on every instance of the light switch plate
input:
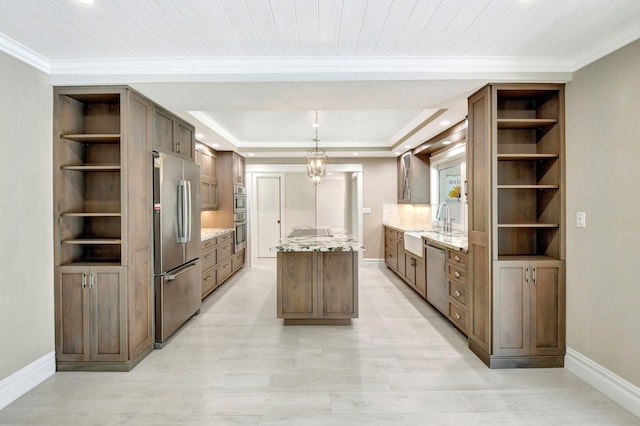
(581, 219)
(366, 210)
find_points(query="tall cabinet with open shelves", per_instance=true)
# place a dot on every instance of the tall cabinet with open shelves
(102, 205)
(515, 162)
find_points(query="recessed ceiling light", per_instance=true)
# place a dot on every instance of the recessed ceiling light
(251, 154)
(397, 153)
(447, 142)
(445, 122)
(215, 145)
(315, 125)
(199, 135)
(86, 1)
(407, 146)
(329, 174)
(355, 153)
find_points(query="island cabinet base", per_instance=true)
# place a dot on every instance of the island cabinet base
(317, 287)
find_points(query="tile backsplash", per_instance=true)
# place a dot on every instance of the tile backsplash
(412, 216)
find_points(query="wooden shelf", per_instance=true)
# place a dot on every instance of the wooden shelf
(529, 157)
(93, 138)
(93, 168)
(93, 241)
(528, 225)
(83, 214)
(528, 186)
(94, 262)
(525, 123)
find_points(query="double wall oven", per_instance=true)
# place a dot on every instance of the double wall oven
(240, 216)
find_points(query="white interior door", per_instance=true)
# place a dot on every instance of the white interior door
(268, 214)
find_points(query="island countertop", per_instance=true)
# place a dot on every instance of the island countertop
(320, 239)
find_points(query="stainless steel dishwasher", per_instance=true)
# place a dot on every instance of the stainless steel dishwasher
(437, 293)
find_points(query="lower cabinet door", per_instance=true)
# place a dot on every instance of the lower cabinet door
(90, 312)
(547, 308)
(511, 309)
(73, 339)
(297, 285)
(108, 293)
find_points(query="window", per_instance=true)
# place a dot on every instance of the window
(448, 176)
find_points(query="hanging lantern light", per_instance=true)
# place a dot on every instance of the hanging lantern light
(316, 160)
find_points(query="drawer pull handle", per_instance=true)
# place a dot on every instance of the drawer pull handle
(207, 278)
(457, 274)
(457, 258)
(457, 316)
(457, 293)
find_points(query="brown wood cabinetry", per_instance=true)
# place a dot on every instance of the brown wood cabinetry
(515, 164)
(529, 312)
(413, 179)
(219, 262)
(408, 266)
(102, 230)
(317, 286)
(391, 240)
(207, 158)
(238, 169)
(91, 316)
(172, 134)
(415, 273)
(458, 310)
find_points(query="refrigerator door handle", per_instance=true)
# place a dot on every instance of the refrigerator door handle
(172, 276)
(182, 217)
(188, 211)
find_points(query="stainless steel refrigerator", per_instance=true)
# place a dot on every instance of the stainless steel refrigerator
(176, 241)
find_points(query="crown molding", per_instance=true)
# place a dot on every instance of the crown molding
(23, 53)
(242, 69)
(606, 47)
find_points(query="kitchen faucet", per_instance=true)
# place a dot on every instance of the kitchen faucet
(448, 226)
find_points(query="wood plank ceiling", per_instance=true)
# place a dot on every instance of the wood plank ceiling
(208, 44)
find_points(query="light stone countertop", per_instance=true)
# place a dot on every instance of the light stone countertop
(340, 240)
(208, 233)
(455, 241)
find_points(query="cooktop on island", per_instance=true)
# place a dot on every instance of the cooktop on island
(307, 232)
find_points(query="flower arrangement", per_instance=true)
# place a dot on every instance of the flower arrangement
(455, 192)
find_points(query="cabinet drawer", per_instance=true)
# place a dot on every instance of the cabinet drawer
(457, 258)
(209, 281)
(209, 258)
(225, 250)
(207, 244)
(455, 272)
(225, 237)
(458, 292)
(237, 261)
(458, 316)
(391, 244)
(224, 270)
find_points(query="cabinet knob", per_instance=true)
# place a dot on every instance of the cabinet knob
(457, 293)
(457, 258)
(457, 316)
(84, 280)
(457, 274)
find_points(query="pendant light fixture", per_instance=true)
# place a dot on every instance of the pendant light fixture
(316, 160)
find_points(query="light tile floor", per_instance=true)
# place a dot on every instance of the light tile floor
(400, 363)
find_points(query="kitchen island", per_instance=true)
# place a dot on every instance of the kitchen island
(317, 271)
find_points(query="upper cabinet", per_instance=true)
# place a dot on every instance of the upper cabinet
(413, 179)
(238, 169)
(172, 134)
(207, 158)
(515, 172)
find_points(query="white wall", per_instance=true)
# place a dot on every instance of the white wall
(603, 150)
(26, 223)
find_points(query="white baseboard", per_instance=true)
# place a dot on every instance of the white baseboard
(27, 378)
(372, 260)
(615, 387)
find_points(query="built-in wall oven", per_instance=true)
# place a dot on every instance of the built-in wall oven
(240, 216)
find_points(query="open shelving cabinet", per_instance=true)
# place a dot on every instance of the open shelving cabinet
(528, 172)
(90, 191)
(103, 287)
(515, 172)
